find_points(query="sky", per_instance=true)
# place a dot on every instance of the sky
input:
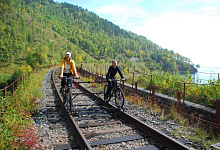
(188, 27)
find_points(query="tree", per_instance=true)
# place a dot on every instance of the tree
(32, 24)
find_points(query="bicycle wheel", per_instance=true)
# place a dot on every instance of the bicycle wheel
(119, 98)
(64, 95)
(70, 99)
(106, 99)
(67, 99)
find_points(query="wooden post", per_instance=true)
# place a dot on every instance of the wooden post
(178, 102)
(153, 95)
(218, 116)
(12, 88)
(5, 89)
(136, 88)
(96, 77)
(135, 97)
(132, 80)
(16, 83)
(81, 68)
(150, 83)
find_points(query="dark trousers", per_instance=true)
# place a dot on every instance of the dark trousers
(64, 80)
(110, 85)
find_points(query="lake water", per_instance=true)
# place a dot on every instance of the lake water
(207, 73)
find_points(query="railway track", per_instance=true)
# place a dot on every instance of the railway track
(50, 123)
(100, 125)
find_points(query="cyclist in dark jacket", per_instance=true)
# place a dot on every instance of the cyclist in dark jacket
(111, 75)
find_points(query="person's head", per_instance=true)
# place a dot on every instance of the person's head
(114, 63)
(68, 55)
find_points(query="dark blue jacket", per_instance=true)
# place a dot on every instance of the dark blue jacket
(112, 72)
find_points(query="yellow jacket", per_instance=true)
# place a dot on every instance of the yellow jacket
(72, 66)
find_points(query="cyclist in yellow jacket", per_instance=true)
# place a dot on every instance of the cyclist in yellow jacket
(67, 68)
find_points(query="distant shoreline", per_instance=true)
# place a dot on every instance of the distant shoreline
(207, 73)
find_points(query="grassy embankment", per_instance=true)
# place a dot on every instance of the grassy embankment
(16, 130)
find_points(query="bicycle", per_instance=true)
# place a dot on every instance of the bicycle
(67, 92)
(116, 92)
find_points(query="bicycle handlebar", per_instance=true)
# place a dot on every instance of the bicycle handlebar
(118, 79)
(70, 77)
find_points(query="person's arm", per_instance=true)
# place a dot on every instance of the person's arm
(120, 73)
(76, 75)
(61, 73)
(74, 69)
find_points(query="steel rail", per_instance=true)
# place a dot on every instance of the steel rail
(161, 137)
(84, 144)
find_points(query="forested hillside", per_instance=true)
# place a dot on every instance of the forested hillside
(38, 32)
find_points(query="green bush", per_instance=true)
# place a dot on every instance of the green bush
(169, 84)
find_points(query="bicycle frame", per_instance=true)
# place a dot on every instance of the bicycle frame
(116, 92)
(67, 93)
(116, 84)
